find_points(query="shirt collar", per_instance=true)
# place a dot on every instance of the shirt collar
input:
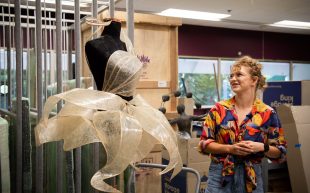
(258, 105)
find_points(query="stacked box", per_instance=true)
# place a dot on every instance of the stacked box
(296, 122)
(186, 182)
(288, 92)
(148, 180)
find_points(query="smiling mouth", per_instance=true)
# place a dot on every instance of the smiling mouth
(235, 84)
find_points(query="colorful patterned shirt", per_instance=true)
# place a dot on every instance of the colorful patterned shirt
(260, 125)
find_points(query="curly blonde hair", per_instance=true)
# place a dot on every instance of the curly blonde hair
(255, 70)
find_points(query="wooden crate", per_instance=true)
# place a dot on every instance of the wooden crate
(157, 38)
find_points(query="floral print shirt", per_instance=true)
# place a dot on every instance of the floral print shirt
(260, 125)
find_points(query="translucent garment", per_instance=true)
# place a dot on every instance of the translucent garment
(128, 130)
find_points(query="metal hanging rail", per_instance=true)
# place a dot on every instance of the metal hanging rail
(77, 38)
(52, 39)
(59, 170)
(47, 9)
(39, 150)
(19, 147)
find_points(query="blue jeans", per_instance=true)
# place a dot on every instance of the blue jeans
(237, 185)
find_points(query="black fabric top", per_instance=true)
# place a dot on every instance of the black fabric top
(100, 49)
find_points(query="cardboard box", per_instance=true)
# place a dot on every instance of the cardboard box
(157, 147)
(188, 151)
(188, 103)
(288, 92)
(305, 92)
(203, 169)
(296, 124)
(148, 180)
(185, 182)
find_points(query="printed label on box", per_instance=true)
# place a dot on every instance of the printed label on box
(278, 93)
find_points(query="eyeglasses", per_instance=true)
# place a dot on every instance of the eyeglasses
(237, 75)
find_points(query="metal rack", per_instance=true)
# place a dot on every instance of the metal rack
(161, 166)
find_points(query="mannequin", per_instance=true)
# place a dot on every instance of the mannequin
(100, 49)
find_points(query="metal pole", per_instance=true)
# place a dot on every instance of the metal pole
(19, 146)
(219, 77)
(45, 53)
(112, 8)
(130, 33)
(95, 145)
(65, 48)
(39, 150)
(51, 43)
(94, 28)
(59, 171)
(3, 102)
(291, 74)
(216, 82)
(9, 63)
(28, 54)
(77, 40)
(69, 154)
(130, 20)
(70, 65)
(94, 13)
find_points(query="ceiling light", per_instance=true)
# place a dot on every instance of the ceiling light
(292, 24)
(63, 2)
(193, 14)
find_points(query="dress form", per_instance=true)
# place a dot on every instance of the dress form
(100, 49)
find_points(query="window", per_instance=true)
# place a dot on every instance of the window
(301, 71)
(276, 71)
(197, 76)
(225, 73)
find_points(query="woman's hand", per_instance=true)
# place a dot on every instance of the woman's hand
(254, 146)
(241, 149)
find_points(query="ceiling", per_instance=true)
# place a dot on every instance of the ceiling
(245, 14)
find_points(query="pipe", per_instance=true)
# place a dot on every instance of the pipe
(130, 20)
(19, 146)
(9, 61)
(95, 145)
(39, 149)
(111, 8)
(59, 171)
(77, 39)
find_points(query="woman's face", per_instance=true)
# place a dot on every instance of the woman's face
(241, 79)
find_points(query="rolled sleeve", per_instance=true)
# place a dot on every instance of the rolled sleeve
(207, 135)
(276, 137)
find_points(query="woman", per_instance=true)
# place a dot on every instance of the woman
(239, 132)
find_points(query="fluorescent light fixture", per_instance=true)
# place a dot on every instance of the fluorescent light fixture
(292, 24)
(193, 14)
(64, 2)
